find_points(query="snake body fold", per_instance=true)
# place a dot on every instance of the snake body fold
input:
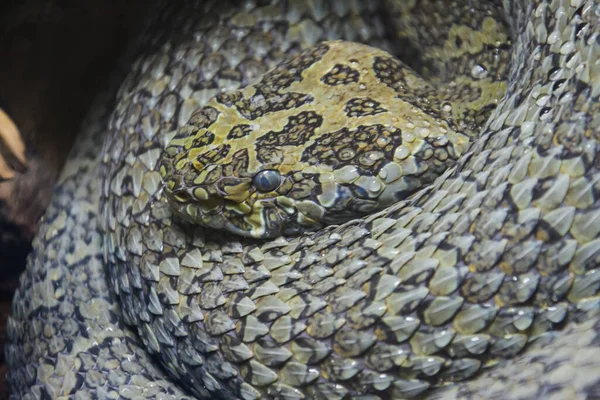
(483, 283)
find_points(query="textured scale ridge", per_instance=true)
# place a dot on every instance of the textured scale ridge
(481, 284)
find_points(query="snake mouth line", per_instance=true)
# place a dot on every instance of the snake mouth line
(261, 215)
(254, 217)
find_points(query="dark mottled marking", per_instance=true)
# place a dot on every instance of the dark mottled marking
(393, 73)
(204, 118)
(433, 13)
(230, 99)
(298, 130)
(462, 93)
(268, 97)
(353, 146)
(203, 140)
(358, 107)
(239, 131)
(239, 162)
(341, 75)
(201, 119)
(260, 104)
(389, 71)
(291, 71)
(213, 155)
(270, 155)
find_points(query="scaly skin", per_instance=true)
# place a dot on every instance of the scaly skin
(487, 277)
(337, 142)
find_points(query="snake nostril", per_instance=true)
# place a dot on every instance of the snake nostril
(267, 181)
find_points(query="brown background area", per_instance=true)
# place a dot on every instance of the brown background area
(54, 56)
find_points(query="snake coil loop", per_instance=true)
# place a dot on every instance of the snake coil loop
(440, 210)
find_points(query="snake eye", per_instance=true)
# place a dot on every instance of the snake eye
(267, 181)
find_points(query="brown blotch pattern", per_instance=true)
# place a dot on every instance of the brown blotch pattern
(267, 98)
(298, 130)
(341, 75)
(367, 147)
(358, 107)
(239, 131)
(214, 155)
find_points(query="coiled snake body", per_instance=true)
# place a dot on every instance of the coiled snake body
(479, 281)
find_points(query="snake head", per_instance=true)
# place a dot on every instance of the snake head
(319, 140)
(226, 196)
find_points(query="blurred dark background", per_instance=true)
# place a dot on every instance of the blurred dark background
(54, 56)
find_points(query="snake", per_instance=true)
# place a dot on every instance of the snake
(327, 200)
